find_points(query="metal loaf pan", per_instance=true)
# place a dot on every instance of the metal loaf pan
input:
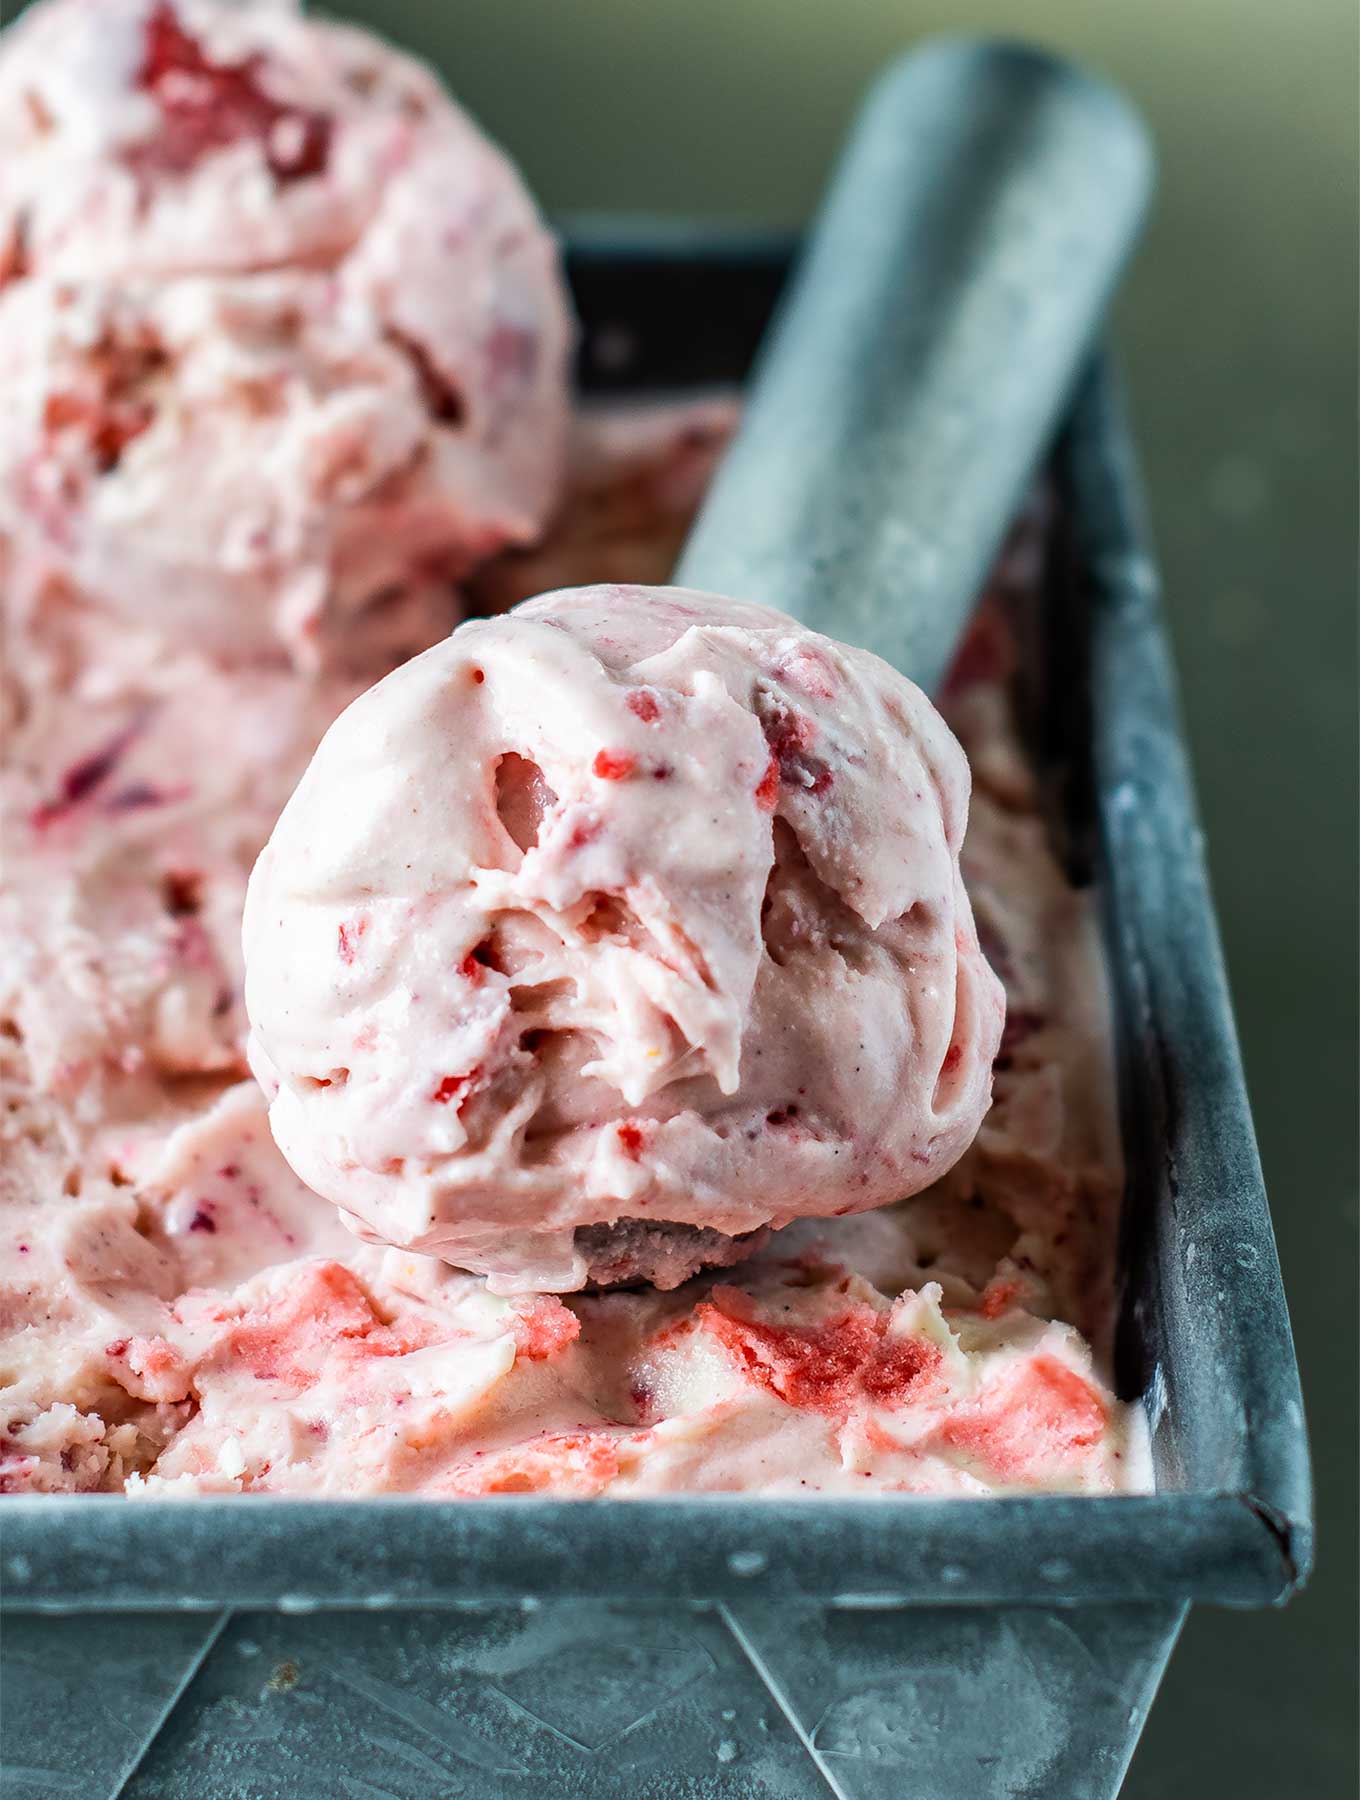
(246, 1649)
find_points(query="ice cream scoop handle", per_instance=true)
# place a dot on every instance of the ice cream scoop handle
(919, 364)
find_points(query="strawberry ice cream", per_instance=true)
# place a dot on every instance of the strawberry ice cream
(682, 951)
(636, 476)
(615, 929)
(181, 1315)
(281, 334)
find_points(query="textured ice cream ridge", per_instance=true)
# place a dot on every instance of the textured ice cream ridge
(282, 337)
(179, 1314)
(634, 904)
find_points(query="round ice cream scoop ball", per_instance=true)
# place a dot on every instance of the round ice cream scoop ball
(605, 935)
(283, 340)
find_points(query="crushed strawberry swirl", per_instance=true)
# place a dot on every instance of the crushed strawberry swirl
(89, 776)
(206, 105)
(791, 736)
(829, 1367)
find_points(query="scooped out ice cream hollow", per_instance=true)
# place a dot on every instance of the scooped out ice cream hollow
(282, 336)
(609, 933)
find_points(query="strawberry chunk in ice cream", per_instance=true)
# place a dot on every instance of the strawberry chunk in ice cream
(606, 935)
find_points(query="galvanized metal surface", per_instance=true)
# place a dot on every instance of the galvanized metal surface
(595, 1698)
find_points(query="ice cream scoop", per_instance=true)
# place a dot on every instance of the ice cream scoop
(635, 903)
(948, 301)
(282, 336)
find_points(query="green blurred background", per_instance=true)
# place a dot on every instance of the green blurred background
(1238, 330)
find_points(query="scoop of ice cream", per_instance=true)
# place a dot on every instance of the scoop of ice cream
(633, 905)
(280, 331)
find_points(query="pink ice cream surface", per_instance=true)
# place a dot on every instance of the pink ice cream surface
(633, 904)
(180, 1315)
(281, 333)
